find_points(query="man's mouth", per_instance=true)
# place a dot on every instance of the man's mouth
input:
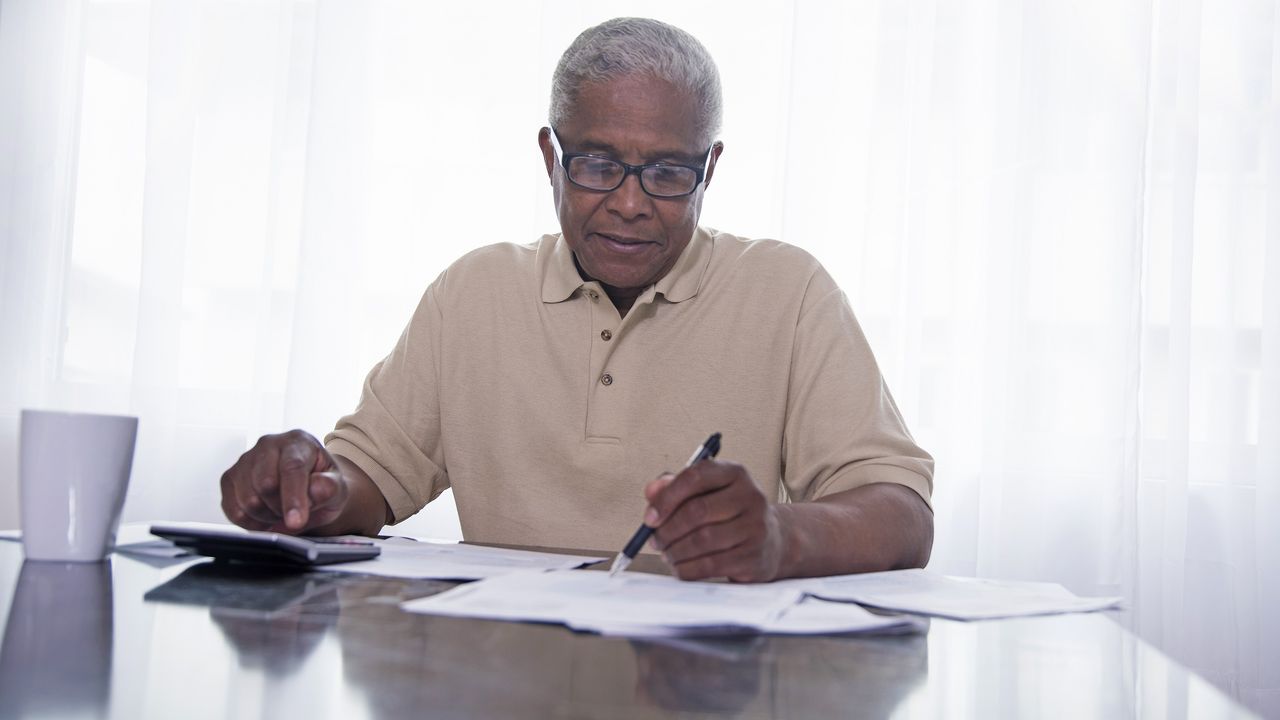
(623, 244)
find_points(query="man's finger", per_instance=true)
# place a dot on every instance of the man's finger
(739, 564)
(328, 497)
(325, 490)
(709, 540)
(324, 461)
(701, 511)
(705, 477)
(657, 485)
(715, 565)
(247, 500)
(296, 460)
(235, 511)
(264, 477)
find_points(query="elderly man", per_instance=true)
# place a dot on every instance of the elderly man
(547, 382)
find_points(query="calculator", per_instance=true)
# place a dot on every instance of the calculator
(226, 542)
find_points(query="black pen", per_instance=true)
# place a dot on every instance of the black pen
(708, 449)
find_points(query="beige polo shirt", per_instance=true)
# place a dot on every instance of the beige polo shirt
(518, 384)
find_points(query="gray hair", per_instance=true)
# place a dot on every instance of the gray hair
(629, 46)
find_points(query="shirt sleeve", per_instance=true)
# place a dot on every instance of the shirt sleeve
(394, 433)
(843, 429)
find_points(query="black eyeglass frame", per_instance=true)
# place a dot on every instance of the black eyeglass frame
(628, 170)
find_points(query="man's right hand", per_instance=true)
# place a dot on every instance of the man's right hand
(285, 483)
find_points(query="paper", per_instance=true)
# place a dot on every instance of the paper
(808, 616)
(592, 600)
(642, 605)
(819, 617)
(923, 592)
(132, 538)
(153, 548)
(425, 560)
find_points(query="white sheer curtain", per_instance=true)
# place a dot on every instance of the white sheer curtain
(1058, 222)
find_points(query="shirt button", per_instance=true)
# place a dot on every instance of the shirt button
(606, 379)
(593, 294)
(605, 335)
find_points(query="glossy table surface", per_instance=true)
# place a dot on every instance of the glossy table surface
(134, 638)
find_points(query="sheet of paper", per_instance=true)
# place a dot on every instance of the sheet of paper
(424, 560)
(588, 600)
(154, 548)
(924, 592)
(812, 616)
(807, 616)
(642, 605)
(134, 538)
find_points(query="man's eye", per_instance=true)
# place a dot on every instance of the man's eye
(667, 173)
(670, 179)
(595, 172)
(598, 165)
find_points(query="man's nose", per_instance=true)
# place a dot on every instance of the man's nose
(629, 200)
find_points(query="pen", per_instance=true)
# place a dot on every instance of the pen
(708, 449)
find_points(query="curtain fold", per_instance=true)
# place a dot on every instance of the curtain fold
(1059, 225)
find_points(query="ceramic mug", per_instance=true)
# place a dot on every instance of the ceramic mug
(73, 473)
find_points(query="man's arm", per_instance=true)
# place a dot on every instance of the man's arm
(712, 520)
(882, 526)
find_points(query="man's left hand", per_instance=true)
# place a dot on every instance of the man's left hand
(712, 520)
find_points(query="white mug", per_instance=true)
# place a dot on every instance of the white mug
(73, 472)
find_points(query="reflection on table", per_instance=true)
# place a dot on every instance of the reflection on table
(56, 656)
(273, 617)
(127, 639)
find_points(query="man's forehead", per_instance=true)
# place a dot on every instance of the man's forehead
(633, 114)
(635, 144)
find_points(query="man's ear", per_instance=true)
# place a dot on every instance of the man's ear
(716, 148)
(548, 152)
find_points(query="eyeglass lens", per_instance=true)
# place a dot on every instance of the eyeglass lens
(604, 174)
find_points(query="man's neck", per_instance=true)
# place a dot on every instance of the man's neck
(622, 299)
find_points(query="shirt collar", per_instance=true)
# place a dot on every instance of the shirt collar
(555, 265)
(560, 278)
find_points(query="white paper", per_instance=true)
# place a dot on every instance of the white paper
(425, 560)
(642, 605)
(134, 538)
(812, 616)
(590, 600)
(154, 548)
(924, 592)
(807, 616)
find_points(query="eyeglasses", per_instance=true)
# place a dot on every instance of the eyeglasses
(602, 174)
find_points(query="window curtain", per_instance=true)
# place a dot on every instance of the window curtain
(1059, 224)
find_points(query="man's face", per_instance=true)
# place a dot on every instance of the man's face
(625, 238)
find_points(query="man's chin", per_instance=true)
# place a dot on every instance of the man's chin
(619, 275)
(625, 284)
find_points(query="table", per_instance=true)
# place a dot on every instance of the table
(150, 638)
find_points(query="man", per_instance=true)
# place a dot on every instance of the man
(545, 382)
